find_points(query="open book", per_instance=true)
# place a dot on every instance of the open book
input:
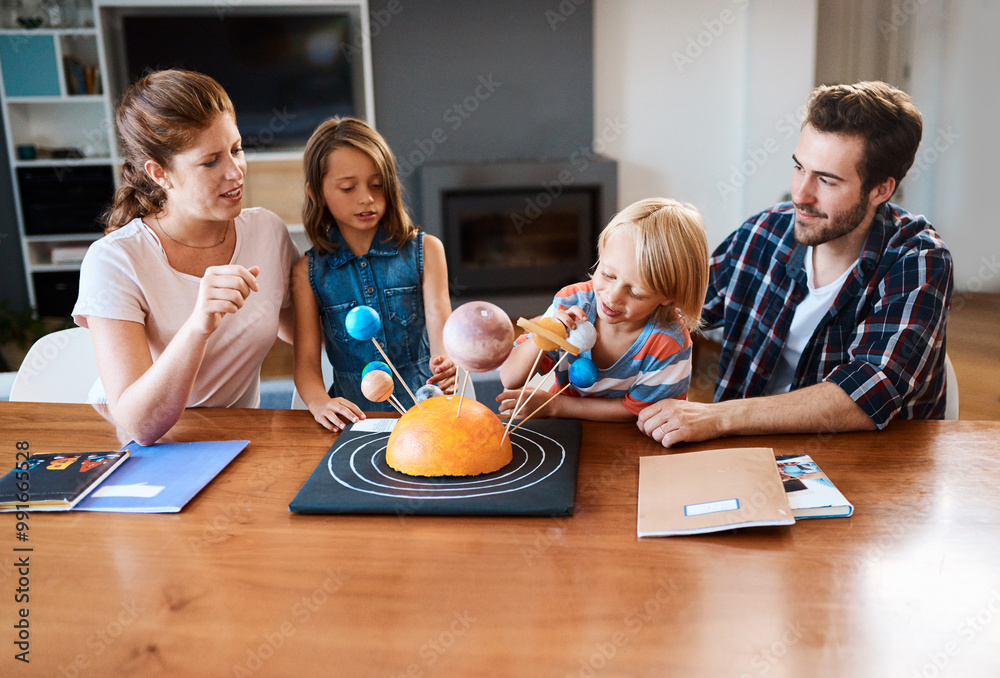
(810, 493)
(56, 481)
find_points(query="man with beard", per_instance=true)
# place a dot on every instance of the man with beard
(833, 306)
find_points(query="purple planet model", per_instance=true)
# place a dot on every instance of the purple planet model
(478, 336)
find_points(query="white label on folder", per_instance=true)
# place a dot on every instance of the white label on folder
(712, 507)
(374, 425)
(142, 490)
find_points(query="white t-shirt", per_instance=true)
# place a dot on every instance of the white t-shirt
(125, 276)
(808, 313)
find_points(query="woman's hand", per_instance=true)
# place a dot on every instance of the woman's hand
(444, 372)
(223, 290)
(334, 413)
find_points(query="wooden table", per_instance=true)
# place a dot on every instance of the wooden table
(235, 585)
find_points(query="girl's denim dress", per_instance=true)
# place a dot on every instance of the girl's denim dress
(390, 280)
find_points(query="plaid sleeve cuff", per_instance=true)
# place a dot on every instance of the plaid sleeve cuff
(870, 389)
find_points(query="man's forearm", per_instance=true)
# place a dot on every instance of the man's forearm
(822, 407)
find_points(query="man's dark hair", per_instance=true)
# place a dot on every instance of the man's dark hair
(882, 115)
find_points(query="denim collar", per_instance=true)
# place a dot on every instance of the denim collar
(381, 246)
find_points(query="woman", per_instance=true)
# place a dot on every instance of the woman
(186, 291)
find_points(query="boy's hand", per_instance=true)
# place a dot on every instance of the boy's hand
(568, 317)
(334, 413)
(444, 371)
(532, 400)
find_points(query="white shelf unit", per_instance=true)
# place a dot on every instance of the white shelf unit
(43, 110)
(56, 123)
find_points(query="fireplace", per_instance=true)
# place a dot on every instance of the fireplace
(515, 232)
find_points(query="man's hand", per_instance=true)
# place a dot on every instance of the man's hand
(673, 421)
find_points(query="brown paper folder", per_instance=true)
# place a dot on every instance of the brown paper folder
(696, 492)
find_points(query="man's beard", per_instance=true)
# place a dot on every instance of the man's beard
(839, 225)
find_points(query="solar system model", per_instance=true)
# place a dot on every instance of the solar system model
(444, 435)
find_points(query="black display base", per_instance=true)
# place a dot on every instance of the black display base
(355, 478)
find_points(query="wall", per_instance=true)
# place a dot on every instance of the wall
(709, 98)
(464, 81)
(703, 87)
(954, 83)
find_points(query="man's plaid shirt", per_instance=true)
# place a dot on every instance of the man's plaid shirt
(883, 340)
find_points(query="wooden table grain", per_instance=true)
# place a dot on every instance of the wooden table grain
(235, 585)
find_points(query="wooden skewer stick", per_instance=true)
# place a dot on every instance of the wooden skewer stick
(521, 394)
(395, 403)
(465, 382)
(527, 400)
(401, 380)
(539, 409)
(516, 409)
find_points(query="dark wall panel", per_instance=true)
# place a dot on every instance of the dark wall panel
(457, 80)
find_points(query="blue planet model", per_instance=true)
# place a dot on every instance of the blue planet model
(375, 365)
(583, 373)
(363, 322)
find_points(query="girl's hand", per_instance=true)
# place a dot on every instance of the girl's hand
(334, 413)
(444, 371)
(532, 400)
(568, 317)
(223, 290)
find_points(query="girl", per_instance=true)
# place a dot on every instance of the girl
(365, 251)
(644, 299)
(185, 293)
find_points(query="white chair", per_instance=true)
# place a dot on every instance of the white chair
(951, 391)
(59, 368)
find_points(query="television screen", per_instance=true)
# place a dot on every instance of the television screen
(285, 72)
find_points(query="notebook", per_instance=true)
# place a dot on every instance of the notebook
(709, 491)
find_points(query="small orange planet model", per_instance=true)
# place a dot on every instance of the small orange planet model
(435, 442)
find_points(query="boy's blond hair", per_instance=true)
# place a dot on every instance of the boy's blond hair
(671, 254)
